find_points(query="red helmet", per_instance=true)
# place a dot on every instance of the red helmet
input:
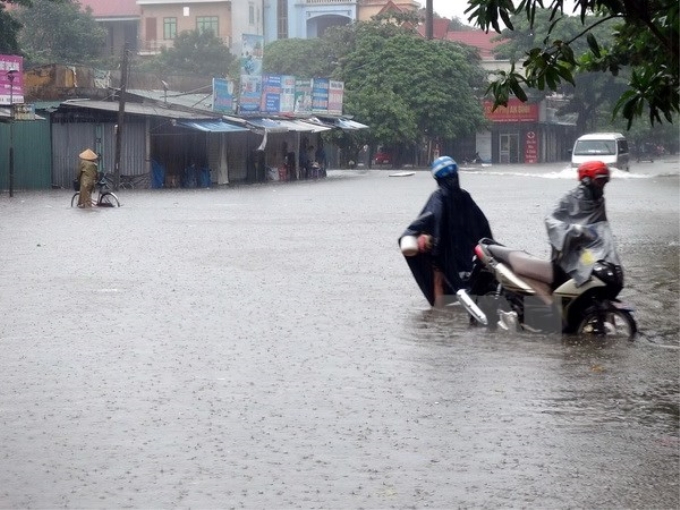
(593, 171)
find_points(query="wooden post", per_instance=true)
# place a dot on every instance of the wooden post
(121, 117)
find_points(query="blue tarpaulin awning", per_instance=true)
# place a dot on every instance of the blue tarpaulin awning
(211, 126)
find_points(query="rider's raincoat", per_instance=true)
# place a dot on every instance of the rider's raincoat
(580, 234)
(456, 224)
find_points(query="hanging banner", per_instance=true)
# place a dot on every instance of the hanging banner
(271, 94)
(320, 90)
(335, 95)
(303, 97)
(251, 54)
(531, 147)
(287, 94)
(251, 94)
(223, 95)
(11, 84)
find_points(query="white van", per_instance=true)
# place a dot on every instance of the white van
(610, 148)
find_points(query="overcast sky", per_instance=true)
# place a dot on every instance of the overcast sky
(456, 8)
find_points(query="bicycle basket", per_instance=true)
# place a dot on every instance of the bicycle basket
(76, 184)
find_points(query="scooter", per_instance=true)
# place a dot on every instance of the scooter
(516, 291)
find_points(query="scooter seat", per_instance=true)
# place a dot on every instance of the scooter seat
(524, 264)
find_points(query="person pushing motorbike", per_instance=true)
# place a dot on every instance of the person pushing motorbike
(443, 237)
(578, 230)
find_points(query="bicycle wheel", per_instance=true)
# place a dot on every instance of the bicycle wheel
(108, 199)
(75, 198)
(610, 324)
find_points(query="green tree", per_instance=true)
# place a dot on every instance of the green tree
(10, 27)
(196, 53)
(303, 58)
(645, 42)
(591, 91)
(410, 90)
(59, 32)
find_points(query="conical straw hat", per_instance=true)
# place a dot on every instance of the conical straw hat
(88, 154)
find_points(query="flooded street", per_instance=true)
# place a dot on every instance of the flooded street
(265, 347)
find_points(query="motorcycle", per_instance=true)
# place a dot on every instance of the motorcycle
(514, 290)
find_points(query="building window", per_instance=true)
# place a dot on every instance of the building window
(282, 19)
(207, 23)
(251, 13)
(169, 28)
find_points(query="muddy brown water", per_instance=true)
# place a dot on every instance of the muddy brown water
(266, 347)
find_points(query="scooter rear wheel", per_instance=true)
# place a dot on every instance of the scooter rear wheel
(611, 324)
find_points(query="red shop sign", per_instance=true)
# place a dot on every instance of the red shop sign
(516, 111)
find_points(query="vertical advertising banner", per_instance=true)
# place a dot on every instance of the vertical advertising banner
(250, 94)
(223, 95)
(271, 94)
(251, 54)
(320, 89)
(303, 96)
(11, 89)
(531, 147)
(287, 94)
(335, 94)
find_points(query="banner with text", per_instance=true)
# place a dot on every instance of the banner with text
(303, 97)
(11, 84)
(516, 111)
(223, 95)
(320, 90)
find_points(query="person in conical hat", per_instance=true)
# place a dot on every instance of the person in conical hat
(88, 155)
(87, 176)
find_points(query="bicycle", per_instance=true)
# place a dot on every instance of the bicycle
(104, 197)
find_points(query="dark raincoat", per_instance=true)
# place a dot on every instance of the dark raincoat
(456, 224)
(580, 234)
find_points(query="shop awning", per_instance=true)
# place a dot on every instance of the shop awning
(302, 126)
(349, 125)
(334, 122)
(211, 126)
(269, 125)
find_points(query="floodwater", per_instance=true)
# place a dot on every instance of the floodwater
(265, 347)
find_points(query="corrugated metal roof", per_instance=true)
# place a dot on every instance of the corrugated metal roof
(268, 125)
(211, 126)
(136, 109)
(201, 101)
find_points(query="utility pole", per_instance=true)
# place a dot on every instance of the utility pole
(121, 117)
(10, 76)
(429, 31)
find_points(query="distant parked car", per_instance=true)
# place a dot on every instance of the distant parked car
(382, 158)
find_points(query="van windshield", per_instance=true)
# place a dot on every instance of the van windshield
(592, 147)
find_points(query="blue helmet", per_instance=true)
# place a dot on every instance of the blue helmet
(444, 166)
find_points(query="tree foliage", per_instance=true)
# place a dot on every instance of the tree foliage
(591, 92)
(406, 88)
(9, 27)
(59, 31)
(195, 53)
(304, 58)
(645, 41)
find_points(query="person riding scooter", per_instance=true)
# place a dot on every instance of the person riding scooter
(444, 235)
(578, 230)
